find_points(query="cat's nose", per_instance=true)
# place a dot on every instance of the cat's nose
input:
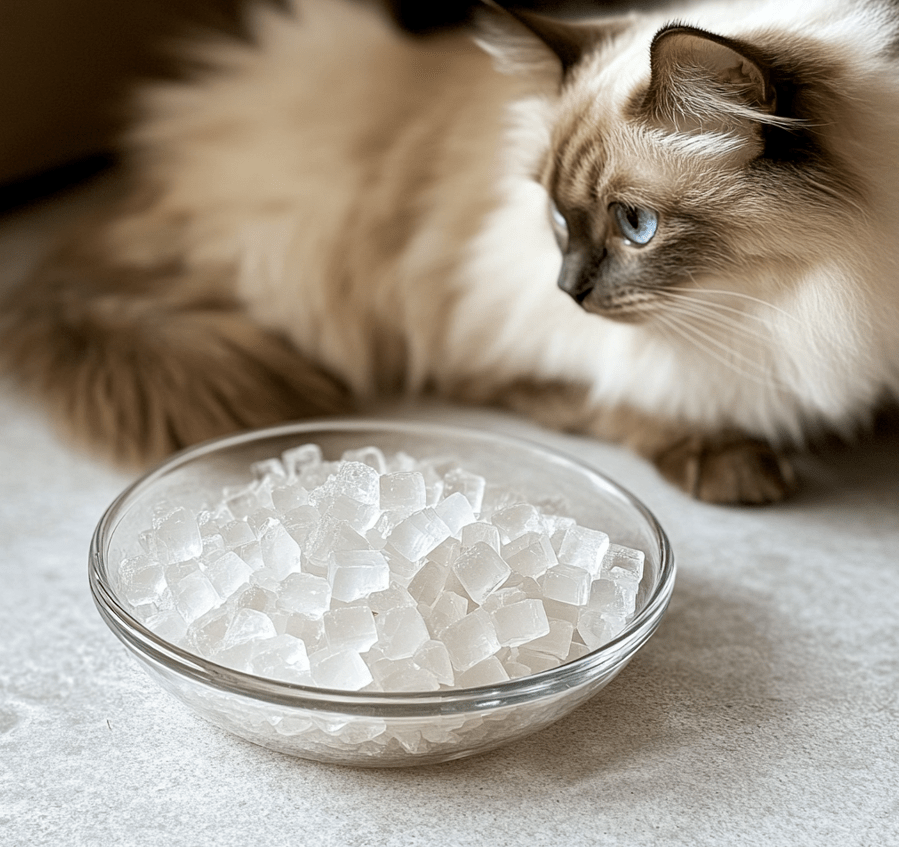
(580, 271)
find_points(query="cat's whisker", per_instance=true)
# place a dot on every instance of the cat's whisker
(689, 296)
(740, 364)
(708, 314)
(715, 292)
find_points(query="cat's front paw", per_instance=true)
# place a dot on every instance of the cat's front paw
(727, 469)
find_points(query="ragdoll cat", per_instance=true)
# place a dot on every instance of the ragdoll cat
(337, 210)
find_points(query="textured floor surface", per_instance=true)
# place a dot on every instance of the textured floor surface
(765, 710)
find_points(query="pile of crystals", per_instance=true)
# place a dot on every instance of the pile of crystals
(378, 573)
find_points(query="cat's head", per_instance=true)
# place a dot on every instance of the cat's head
(678, 158)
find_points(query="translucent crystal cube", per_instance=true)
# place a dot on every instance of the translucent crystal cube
(311, 631)
(178, 536)
(360, 516)
(537, 662)
(251, 553)
(406, 675)
(403, 493)
(300, 522)
(446, 552)
(470, 640)
(480, 531)
(288, 497)
(344, 670)
(305, 594)
(584, 548)
(481, 571)
(596, 628)
(447, 609)
(169, 625)
(428, 583)
(333, 535)
(359, 481)
(227, 573)
(298, 459)
(531, 554)
(516, 520)
(357, 573)
(456, 512)
(503, 597)
(236, 534)
(417, 535)
(350, 628)
(471, 486)
(392, 597)
(623, 564)
(613, 598)
(206, 634)
(141, 580)
(248, 625)
(434, 658)
(257, 598)
(282, 657)
(520, 623)
(401, 632)
(566, 584)
(194, 595)
(557, 642)
(280, 552)
(371, 456)
(489, 671)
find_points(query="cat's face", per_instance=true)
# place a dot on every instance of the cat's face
(707, 172)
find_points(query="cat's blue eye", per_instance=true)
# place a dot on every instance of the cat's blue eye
(637, 225)
(559, 225)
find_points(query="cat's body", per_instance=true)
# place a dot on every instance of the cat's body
(340, 201)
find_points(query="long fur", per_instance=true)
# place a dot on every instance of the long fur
(336, 205)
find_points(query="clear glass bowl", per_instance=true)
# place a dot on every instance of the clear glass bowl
(382, 729)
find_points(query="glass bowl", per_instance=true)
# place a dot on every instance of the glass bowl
(382, 729)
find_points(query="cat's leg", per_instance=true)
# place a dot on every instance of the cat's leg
(139, 361)
(726, 467)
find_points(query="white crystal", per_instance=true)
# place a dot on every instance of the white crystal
(357, 573)
(470, 640)
(584, 548)
(282, 657)
(350, 628)
(178, 536)
(480, 531)
(455, 511)
(285, 498)
(194, 595)
(433, 656)
(418, 535)
(490, 671)
(280, 552)
(401, 632)
(471, 486)
(596, 628)
(428, 583)
(566, 584)
(405, 675)
(248, 625)
(520, 623)
(557, 642)
(344, 670)
(613, 598)
(481, 570)
(236, 533)
(298, 459)
(531, 554)
(371, 456)
(227, 573)
(168, 625)
(305, 594)
(403, 492)
(141, 580)
(623, 564)
(448, 609)
(516, 520)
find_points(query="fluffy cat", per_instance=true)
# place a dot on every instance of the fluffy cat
(337, 210)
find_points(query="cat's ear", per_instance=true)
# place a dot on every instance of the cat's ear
(526, 42)
(702, 82)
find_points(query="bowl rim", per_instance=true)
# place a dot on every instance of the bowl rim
(149, 647)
